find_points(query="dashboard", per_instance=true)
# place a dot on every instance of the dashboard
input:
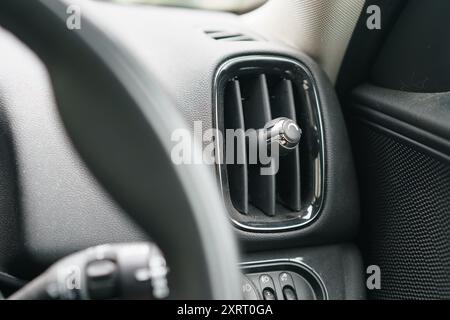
(53, 206)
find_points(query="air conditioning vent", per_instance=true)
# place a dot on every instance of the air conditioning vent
(250, 93)
(224, 35)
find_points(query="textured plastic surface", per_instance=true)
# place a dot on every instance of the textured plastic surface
(338, 268)
(406, 220)
(402, 150)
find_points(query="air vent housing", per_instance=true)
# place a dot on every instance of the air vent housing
(251, 91)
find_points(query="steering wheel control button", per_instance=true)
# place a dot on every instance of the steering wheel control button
(269, 294)
(100, 269)
(249, 291)
(101, 277)
(289, 293)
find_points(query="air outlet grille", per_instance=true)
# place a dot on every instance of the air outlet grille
(250, 94)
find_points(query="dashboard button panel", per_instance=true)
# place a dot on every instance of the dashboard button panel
(282, 281)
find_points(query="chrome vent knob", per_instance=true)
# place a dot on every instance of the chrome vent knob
(283, 131)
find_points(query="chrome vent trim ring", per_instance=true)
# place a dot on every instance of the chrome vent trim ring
(311, 212)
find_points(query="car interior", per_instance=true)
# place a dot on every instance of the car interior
(350, 99)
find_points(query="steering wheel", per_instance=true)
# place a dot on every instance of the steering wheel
(120, 121)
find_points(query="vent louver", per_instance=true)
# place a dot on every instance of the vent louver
(252, 94)
(224, 35)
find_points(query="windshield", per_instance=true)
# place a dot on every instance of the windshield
(225, 5)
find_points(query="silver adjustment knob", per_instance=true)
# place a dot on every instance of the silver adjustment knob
(284, 132)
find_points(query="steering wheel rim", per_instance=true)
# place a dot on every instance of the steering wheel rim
(120, 121)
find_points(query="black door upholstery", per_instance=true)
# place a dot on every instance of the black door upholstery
(399, 119)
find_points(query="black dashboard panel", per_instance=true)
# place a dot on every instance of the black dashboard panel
(61, 208)
(336, 269)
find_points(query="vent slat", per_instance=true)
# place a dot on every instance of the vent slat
(224, 35)
(237, 172)
(288, 177)
(256, 101)
(257, 112)
(238, 38)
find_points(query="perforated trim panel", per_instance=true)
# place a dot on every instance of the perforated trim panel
(406, 206)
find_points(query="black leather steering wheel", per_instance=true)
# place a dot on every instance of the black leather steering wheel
(120, 121)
